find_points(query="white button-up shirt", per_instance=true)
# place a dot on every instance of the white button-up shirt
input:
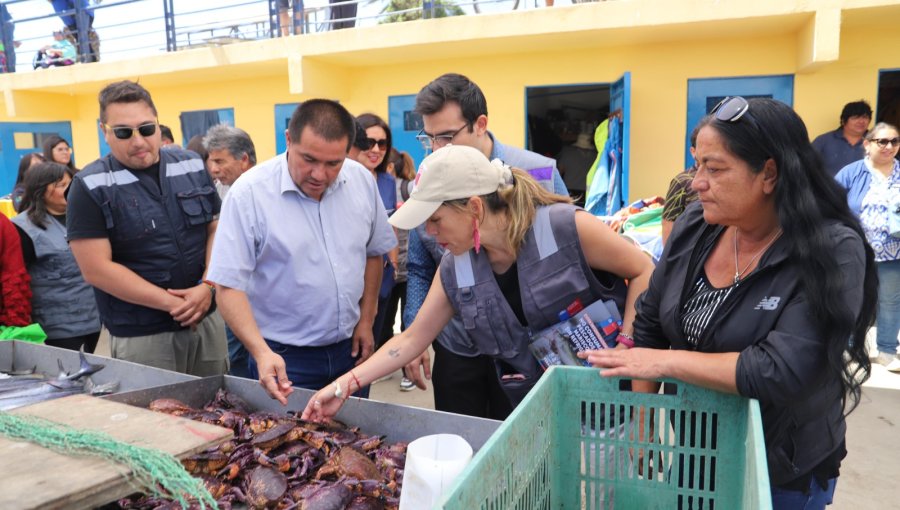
(300, 261)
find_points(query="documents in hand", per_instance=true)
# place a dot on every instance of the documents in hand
(558, 344)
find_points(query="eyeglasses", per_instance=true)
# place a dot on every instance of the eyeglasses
(437, 141)
(125, 132)
(371, 142)
(884, 142)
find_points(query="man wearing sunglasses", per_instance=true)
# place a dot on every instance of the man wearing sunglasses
(454, 111)
(140, 224)
(844, 145)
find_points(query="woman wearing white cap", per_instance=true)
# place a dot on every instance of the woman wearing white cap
(517, 256)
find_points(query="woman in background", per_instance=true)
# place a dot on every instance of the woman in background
(873, 192)
(27, 162)
(402, 168)
(374, 159)
(62, 302)
(58, 150)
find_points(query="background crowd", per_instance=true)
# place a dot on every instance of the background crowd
(206, 261)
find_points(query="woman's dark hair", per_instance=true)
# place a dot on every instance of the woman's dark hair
(36, 181)
(404, 167)
(368, 120)
(807, 199)
(52, 142)
(25, 164)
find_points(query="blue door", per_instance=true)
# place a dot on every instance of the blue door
(620, 101)
(197, 122)
(283, 113)
(20, 138)
(704, 94)
(405, 124)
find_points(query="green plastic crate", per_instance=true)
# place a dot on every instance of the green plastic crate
(550, 454)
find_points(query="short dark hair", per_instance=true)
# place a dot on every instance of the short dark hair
(325, 118)
(359, 141)
(36, 181)
(123, 92)
(166, 133)
(854, 109)
(235, 140)
(452, 88)
(368, 120)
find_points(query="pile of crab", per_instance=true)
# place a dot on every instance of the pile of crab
(280, 461)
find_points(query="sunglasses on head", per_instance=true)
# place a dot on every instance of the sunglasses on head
(883, 142)
(124, 132)
(371, 142)
(732, 109)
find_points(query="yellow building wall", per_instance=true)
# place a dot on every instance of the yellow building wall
(659, 75)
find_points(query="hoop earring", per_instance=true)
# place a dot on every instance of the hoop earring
(476, 236)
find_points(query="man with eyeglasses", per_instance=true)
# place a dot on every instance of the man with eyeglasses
(140, 224)
(454, 111)
(844, 145)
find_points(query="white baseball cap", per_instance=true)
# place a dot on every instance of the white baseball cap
(451, 173)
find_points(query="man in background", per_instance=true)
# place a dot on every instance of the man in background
(230, 153)
(844, 145)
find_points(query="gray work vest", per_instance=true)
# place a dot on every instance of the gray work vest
(161, 237)
(453, 337)
(552, 273)
(61, 302)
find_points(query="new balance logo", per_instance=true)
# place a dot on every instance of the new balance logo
(768, 303)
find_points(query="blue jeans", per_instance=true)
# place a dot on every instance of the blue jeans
(238, 356)
(817, 498)
(314, 368)
(888, 320)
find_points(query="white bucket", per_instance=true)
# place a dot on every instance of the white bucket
(432, 463)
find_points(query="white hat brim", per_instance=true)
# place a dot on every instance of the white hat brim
(413, 213)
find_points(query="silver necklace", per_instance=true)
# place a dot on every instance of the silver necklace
(738, 273)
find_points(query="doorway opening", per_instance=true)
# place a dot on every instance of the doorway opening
(561, 124)
(888, 107)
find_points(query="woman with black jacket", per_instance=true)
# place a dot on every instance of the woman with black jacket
(766, 289)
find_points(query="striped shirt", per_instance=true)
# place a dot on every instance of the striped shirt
(701, 307)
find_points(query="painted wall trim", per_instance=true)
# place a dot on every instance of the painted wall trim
(820, 40)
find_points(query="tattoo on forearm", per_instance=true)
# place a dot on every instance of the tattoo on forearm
(393, 353)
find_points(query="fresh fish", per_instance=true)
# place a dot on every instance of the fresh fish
(14, 372)
(100, 389)
(86, 368)
(20, 382)
(49, 391)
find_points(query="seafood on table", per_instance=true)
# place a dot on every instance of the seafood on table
(282, 462)
(26, 387)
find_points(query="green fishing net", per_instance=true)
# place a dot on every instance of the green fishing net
(157, 473)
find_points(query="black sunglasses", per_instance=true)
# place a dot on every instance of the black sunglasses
(732, 109)
(883, 142)
(371, 142)
(124, 132)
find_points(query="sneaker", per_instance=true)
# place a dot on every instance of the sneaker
(407, 385)
(888, 361)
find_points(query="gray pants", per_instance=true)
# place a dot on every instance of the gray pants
(201, 350)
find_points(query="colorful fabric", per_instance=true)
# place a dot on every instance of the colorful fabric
(680, 194)
(882, 197)
(15, 289)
